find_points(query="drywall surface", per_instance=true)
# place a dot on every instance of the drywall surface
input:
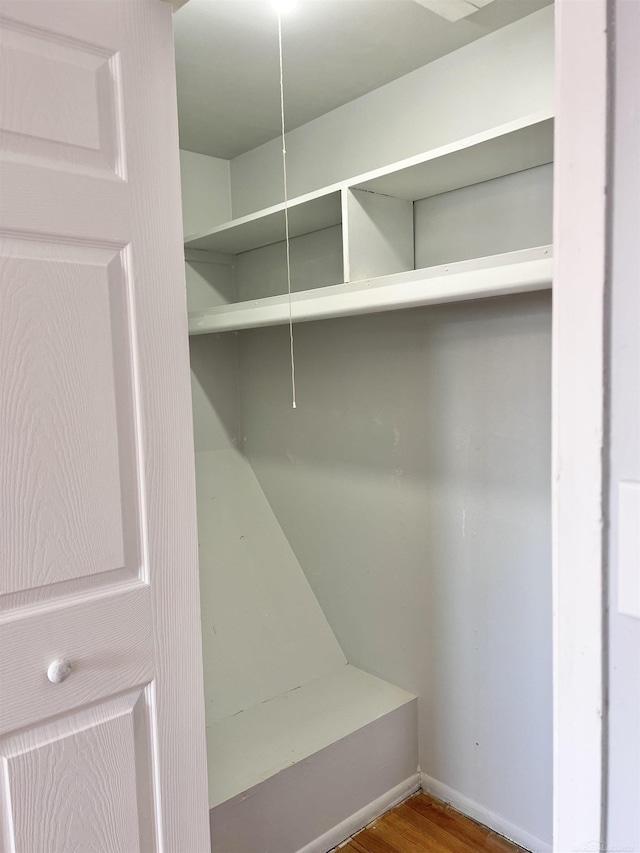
(209, 284)
(206, 192)
(413, 484)
(214, 392)
(501, 77)
(316, 261)
(263, 632)
(623, 815)
(514, 212)
(206, 202)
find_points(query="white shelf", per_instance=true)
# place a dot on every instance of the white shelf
(307, 213)
(503, 150)
(513, 147)
(497, 275)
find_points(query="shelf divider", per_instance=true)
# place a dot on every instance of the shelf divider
(377, 235)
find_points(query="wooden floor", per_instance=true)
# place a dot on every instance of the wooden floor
(424, 825)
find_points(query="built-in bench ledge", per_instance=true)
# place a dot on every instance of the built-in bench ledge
(327, 750)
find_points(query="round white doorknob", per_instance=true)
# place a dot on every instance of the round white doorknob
(59, 671)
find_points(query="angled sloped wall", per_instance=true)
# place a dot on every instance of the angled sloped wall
(263, 630)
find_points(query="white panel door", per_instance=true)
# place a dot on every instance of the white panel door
(101, 701)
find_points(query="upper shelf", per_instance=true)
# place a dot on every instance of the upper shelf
(503, 150)
(307, 213)
(497, 275)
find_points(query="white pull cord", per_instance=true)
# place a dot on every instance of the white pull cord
(286, 216)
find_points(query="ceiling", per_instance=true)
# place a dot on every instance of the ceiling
(334, 51)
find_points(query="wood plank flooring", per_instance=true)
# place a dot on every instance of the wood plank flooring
(424, 825)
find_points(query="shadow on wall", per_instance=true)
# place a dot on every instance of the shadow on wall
(214, 390)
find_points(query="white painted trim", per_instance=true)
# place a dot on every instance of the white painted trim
(355, 822)
(483, 815)
(577, 421)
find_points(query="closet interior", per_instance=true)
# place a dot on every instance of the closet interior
(374, 563)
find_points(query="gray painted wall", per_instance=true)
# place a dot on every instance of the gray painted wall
(624, 456)
(413, 484)
(316, 261)
(206, 202)
(499, 78)
(214, 391)
(496, 216)
(206, 191)
(209, 285)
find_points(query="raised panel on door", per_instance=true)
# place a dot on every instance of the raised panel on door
(91, 770)
(70, 507)
(61, 99)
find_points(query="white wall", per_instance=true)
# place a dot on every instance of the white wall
(209, 284)
(206, 191)
(509, 213)
(316, 261)
(206, 202)
(496, 79)
(413, 484)
(214, 392)
(623, 813)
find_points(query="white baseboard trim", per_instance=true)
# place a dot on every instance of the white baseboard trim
(355, 822)
(483, 815)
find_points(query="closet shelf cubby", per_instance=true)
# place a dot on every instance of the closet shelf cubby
(307, 213)
(503, 150)
(497, 275)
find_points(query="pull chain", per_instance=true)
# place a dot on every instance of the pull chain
(286, 216)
